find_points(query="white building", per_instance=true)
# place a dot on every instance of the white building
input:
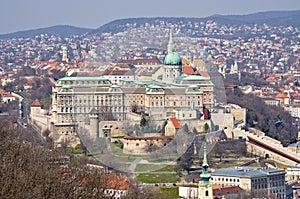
(251, 178)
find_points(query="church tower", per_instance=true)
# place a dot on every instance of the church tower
(205, 190)
(172, 63)
(170, 43)
(64, 53)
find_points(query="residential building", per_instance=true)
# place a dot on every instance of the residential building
(8, 97)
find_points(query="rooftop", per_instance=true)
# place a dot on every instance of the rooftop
(81, 78)
(175, 123)
(246, 172)
(36, 103)
(192, 78)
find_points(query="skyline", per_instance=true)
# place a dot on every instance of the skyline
(32, 14)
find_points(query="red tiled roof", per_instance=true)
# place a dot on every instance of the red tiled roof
(36, 103)
(110, 181)
(271, 78)
(120, 72)
(281, 95)
(188, 70)
(7, 95)
(2, 91)
(222, 191)
(119, 182)
(175, 123)
(202, 73)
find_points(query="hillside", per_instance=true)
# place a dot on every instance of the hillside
(62, 30)
(278, 18)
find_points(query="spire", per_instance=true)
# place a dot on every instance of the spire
(205, 190)
(204, 176)
(204, 164)
(170, 44)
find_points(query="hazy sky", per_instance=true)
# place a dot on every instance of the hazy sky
(17, 15)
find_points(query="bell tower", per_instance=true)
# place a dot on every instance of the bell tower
(205, 186)
(64, 53)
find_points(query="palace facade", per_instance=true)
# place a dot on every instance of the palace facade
(174, 95)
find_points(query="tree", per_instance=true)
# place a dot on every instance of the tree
(265, 117)
(195, 130)
(206, 127)
(48, 140)
(185, 128)
(143, 122)
(31, 171)
(186, 160)
(218, 151)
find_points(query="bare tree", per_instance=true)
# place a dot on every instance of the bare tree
(31, 171)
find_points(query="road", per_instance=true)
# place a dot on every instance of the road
(23, 121)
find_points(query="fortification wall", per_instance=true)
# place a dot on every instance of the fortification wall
(143, 145)
(41, 121)
(259, 151)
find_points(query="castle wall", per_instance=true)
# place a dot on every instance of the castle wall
(262, 134)
(65, 134)
(199, 125)
(239, 114)
(144, 145)
(41, 121)
(185, 114)
(222, 120)
(114, 128)
(133, 117)
(254, 149)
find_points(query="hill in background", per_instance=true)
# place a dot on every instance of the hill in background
(62, 30)
(278, 18)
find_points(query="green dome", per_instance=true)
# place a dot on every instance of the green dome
(172, 58)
